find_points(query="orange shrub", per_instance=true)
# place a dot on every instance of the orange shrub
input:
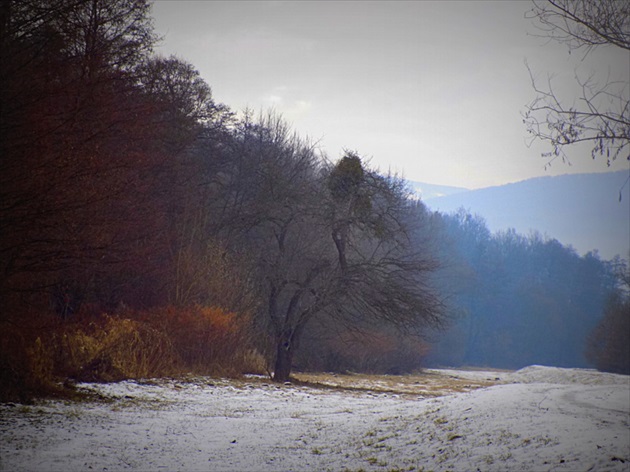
(38, 353)
(208, 340)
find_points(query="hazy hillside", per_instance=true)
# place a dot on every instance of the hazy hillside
(428, 191)
(581, 210)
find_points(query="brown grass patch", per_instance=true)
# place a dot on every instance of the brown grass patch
(39, 354)
(428, 384)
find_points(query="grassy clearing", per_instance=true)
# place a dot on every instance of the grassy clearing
(427, 384)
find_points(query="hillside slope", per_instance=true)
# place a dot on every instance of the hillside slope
(581, 210)
(427, 191)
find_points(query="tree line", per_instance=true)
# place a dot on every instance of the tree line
(125, 187)
(519, 300)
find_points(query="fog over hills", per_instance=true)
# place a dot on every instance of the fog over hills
(586, 211)
(428, 191)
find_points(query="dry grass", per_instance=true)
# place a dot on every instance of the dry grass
(38, 355)
(427, 384)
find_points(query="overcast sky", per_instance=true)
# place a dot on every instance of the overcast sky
(432, 90)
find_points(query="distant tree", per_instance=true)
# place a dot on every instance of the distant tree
(602, 115)
(608, 343)
(474, 245)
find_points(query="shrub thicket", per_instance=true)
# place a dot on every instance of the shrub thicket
(37, 358)
(366, 351)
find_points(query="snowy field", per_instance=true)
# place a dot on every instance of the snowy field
(538, 419)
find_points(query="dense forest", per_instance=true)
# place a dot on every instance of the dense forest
(518, 300)
(147, 229)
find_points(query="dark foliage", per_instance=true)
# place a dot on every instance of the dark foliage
(609, 343)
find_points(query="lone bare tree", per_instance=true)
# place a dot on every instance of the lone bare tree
(325, 241)
(601, 116)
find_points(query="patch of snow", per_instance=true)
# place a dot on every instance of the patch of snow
(538, 418)
(538, 374)
(543, 374)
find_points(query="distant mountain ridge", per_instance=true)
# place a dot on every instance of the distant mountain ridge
(427, 191)
(580, 210)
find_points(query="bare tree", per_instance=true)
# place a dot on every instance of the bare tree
(326, 242)
(601, 116)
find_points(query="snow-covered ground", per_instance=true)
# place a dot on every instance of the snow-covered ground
(538, 418)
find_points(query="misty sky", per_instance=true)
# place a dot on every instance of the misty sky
(431, 90)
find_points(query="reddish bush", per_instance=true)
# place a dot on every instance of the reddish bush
(36, 358)
(208, 340)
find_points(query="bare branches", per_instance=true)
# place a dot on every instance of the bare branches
(601, 114)
(584, 23)
(326, 242)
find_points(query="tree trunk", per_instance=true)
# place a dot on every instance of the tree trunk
(284, 361)
(287, 345)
